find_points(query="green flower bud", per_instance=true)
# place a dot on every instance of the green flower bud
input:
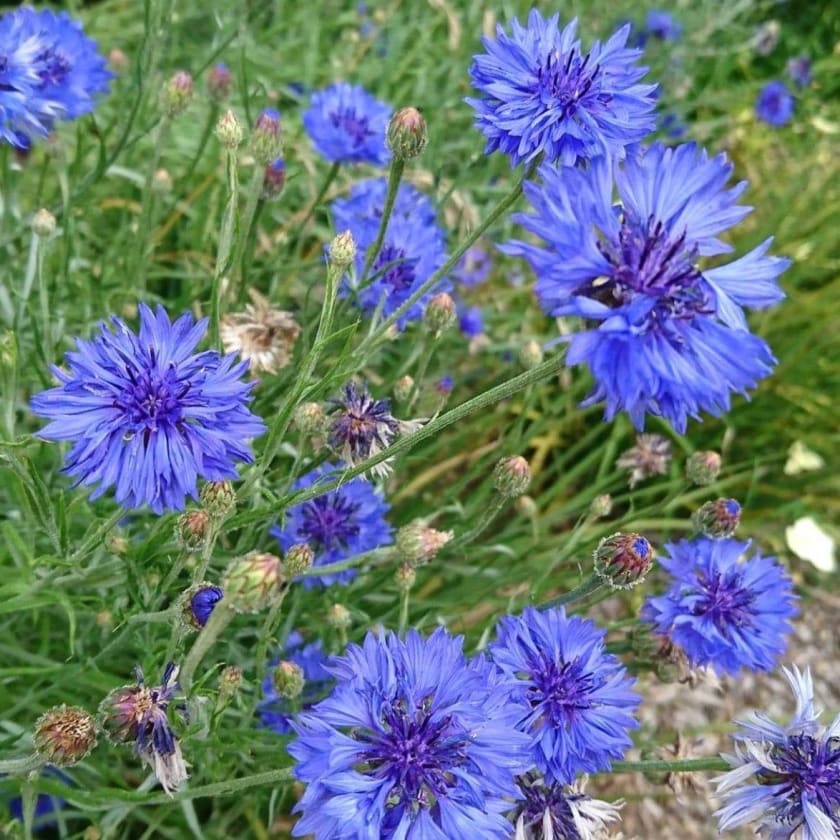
(218, 498)
(342, 251)
(440, 313)
(229, 131)
(310, 419)
(512, 476)
(403, 388)
(703, 468)
(252, 583)
(601, 505)
(530, 355)
(288, 680)
(405, 577)
(43, 224)
(177, 94)
(338, 617)
(298, 559)
(407, 135)
(192, 529)
(419, 544)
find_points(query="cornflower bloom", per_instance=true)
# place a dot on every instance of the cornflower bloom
(662, 25)
(799, 70)
(722, 610)
(575, 700)
(542, 94)
(342, 523)
(666, 335)
(348, 125)
(147, 415)
(414, 741)
(785, 779)
(774, 104)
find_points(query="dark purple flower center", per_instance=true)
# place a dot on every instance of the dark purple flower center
(362, 422)
(562, 81)
(560, 689)
(415, 751)
(55, 67)
(399, 275)
(540, 798)
(355, 126)
(329, 521)
(806, 767)
(726, 601)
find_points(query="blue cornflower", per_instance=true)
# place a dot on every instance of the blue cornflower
(667, 336)
(337, 525)
(724, 611)
(415, 741)
(542, 94)
(47, 805)
(413, 249)
(471, 321)
(202, 602)
(49, 70)
(774, 104)
(149, 416)
(348, 125)
(575, 699)
(474, 267)
(799, 70)
(662, 25)
(795, 770)
(276, 713)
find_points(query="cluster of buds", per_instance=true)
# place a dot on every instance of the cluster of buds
(623, 560)
(407, 135)
(418, 544)
(253, 582)
(512, 476)
(718, 519)
(177, 94)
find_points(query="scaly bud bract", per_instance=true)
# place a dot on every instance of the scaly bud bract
(623, 560)
(253, 582)
(418, 543)
(298, 559)
(274, 179)
(338, 617)
(218, 82)
(407, 134)
(229, 130)
(218, 498)
(310, 419)
(192, 529)
(403, 388)
(288, 680)
(530, 354)
(64, 735)
(512, 476)
(342, 251)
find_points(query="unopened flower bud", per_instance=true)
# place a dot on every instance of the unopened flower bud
(229, 130)
(444, 386)
(338, 617)
(43, 224)
(229, 681)
(718, 519)
(405, 577)
(703, 468)
(623, 560)
(192, 529)
(407, 135)
(526, 506)
(198, 602)
(161, 182)
(310, 418)
(274, 179)
(177, 94)
(117, 60)
(342, 251)
(403, 388)
(530, 354)
(418, 543)
(64, 735)
(298, 559)
(218, 82)
(252, 583)
(117, 544)
(267, 139)
(218, 498)
(601, 505)
(288, 680)
(440, 313)
(512, 476)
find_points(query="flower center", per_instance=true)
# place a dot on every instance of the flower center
(540, 798)
(355, 126)
(416, 752)
(725, 601)
(399, 276)
(329, 522)
(56, 66)
(561, 690)
(562, 83)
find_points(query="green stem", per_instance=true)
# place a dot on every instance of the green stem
(268, 629)
(227, 238)
(590, 585)
(220, 618)
(685, 765)
(212, 119)
(351, 563)
(405, 598)
(394, 176)
(28, 278)
(29, 799)
(21, 766)
(497, 504)
(148, 205)
(249, 214)
(206, 554)
(327, 183)
(422, 367)
(44, 301)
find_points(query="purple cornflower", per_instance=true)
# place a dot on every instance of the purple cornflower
(474, 267)
(794, 770)
(662, 25)
(471, 321)
(774, 104)
(413, 249)
(147, 415)
(361, 427)
(347, 125)
(414, 741)
(49, 70)
(575, 699)
(723, 610)
(542, 94)
(139, 713)
(799, 70)
(342, 523)
(276, 713)
(665, 335)
(559, 812)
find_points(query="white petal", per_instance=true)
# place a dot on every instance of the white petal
(807, 540)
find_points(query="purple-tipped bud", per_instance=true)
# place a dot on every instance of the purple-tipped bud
(218, 82)
(623, 560)
(440, 313)
(338, 617)
(253, 582)
(403, 388)
(718, 519)
(298, 559)
(198, 602)
(218, 498)
(177, 94)
(229, 130)
(601, 505)
(274, 179)
(703, 468)
(512, 476)
(310, 419)
(405, 577)
(288, 680)
(407, 134)
(64, 735)
(43, 224)
(530, 355)
(192, 529)
(342, 251)
(267, 137)
(419, 544)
